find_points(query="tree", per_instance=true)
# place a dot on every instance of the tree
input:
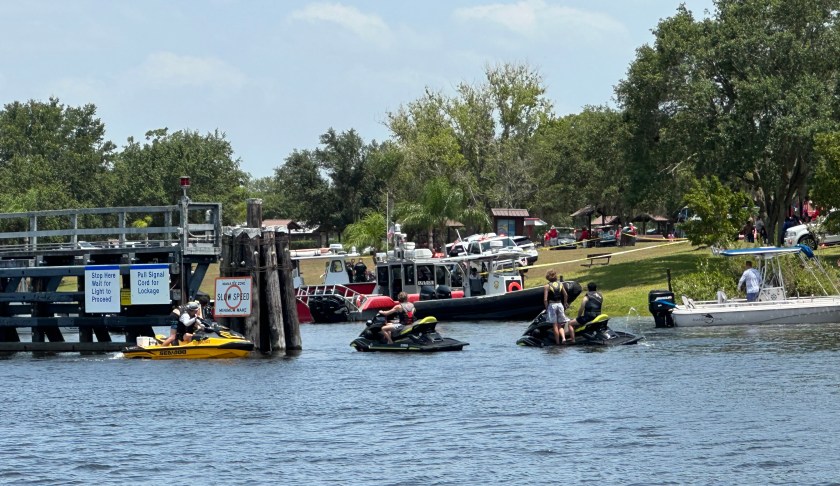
(579, 159)
(53, 157)
(479, 139)
(439, 202)
(298, 190)
(827, 177)
(208, 159)
(741, 94)
(345, 159)
(720, 213)
(369, 231)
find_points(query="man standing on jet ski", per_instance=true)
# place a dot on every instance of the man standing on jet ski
(556, 300)
(406, 316)
(590, 306)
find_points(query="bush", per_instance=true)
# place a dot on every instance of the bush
(800, 281)
(713, 274)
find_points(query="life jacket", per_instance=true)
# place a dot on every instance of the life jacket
(593, 304)
(192, 327)
(554, 292)
(406, 314)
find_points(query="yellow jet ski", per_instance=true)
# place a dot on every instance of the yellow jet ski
(214, 341)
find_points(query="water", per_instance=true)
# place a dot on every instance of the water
(690, 406)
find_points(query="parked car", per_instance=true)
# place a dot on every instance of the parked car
(528, 247)
(606, 235)
(813, 234)
(480, 245)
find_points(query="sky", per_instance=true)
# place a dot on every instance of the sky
(275, 75)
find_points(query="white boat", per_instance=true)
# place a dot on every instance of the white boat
(774, 305)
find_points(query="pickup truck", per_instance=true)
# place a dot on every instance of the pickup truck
(812, 234)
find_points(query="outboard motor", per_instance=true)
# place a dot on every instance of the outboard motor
(427, 292)
(661, 304)
(443, 292)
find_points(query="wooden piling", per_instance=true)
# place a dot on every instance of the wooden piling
(271, 311)
(7, 334)
(291, 321)
(264, 256)
(41, 309)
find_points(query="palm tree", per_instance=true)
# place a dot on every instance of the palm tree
(368, 231)
(440, 201)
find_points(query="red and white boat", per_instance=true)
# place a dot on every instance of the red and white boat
(323, 302)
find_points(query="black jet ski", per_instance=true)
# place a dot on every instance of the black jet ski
(595, 332)
(419, 336)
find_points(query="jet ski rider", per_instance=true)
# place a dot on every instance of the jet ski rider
(187, 323)
(405, 309)
(590, 306)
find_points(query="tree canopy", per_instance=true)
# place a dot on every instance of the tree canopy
(749, 94)
(741, 94)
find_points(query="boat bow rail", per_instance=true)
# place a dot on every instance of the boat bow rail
(353, 298)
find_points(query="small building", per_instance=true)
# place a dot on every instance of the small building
(531, 224)
(509, 221)
(606, 221)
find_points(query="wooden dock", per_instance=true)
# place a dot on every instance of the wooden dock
(39, 249)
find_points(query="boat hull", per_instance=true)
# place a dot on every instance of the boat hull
(614, 338)
(540, 334)
(420, 337)
(817, 310)
(186, 351)
(215, 343)
(517, 305)
(443, 344)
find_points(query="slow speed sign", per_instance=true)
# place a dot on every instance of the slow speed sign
(233, 297)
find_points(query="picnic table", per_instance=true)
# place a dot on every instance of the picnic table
(597, 256)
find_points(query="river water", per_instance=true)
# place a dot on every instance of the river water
(688, 406)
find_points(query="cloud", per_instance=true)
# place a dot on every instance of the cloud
(537, 18)
(166, 69)
(366, 26)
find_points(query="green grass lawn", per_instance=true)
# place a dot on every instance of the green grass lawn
(625, 282)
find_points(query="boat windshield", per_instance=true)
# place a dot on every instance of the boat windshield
(506, 243)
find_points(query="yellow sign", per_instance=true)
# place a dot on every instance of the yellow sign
(125, 296)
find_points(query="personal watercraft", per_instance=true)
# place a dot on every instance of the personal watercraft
(419, 336)
(595, 332)
(214, 341)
